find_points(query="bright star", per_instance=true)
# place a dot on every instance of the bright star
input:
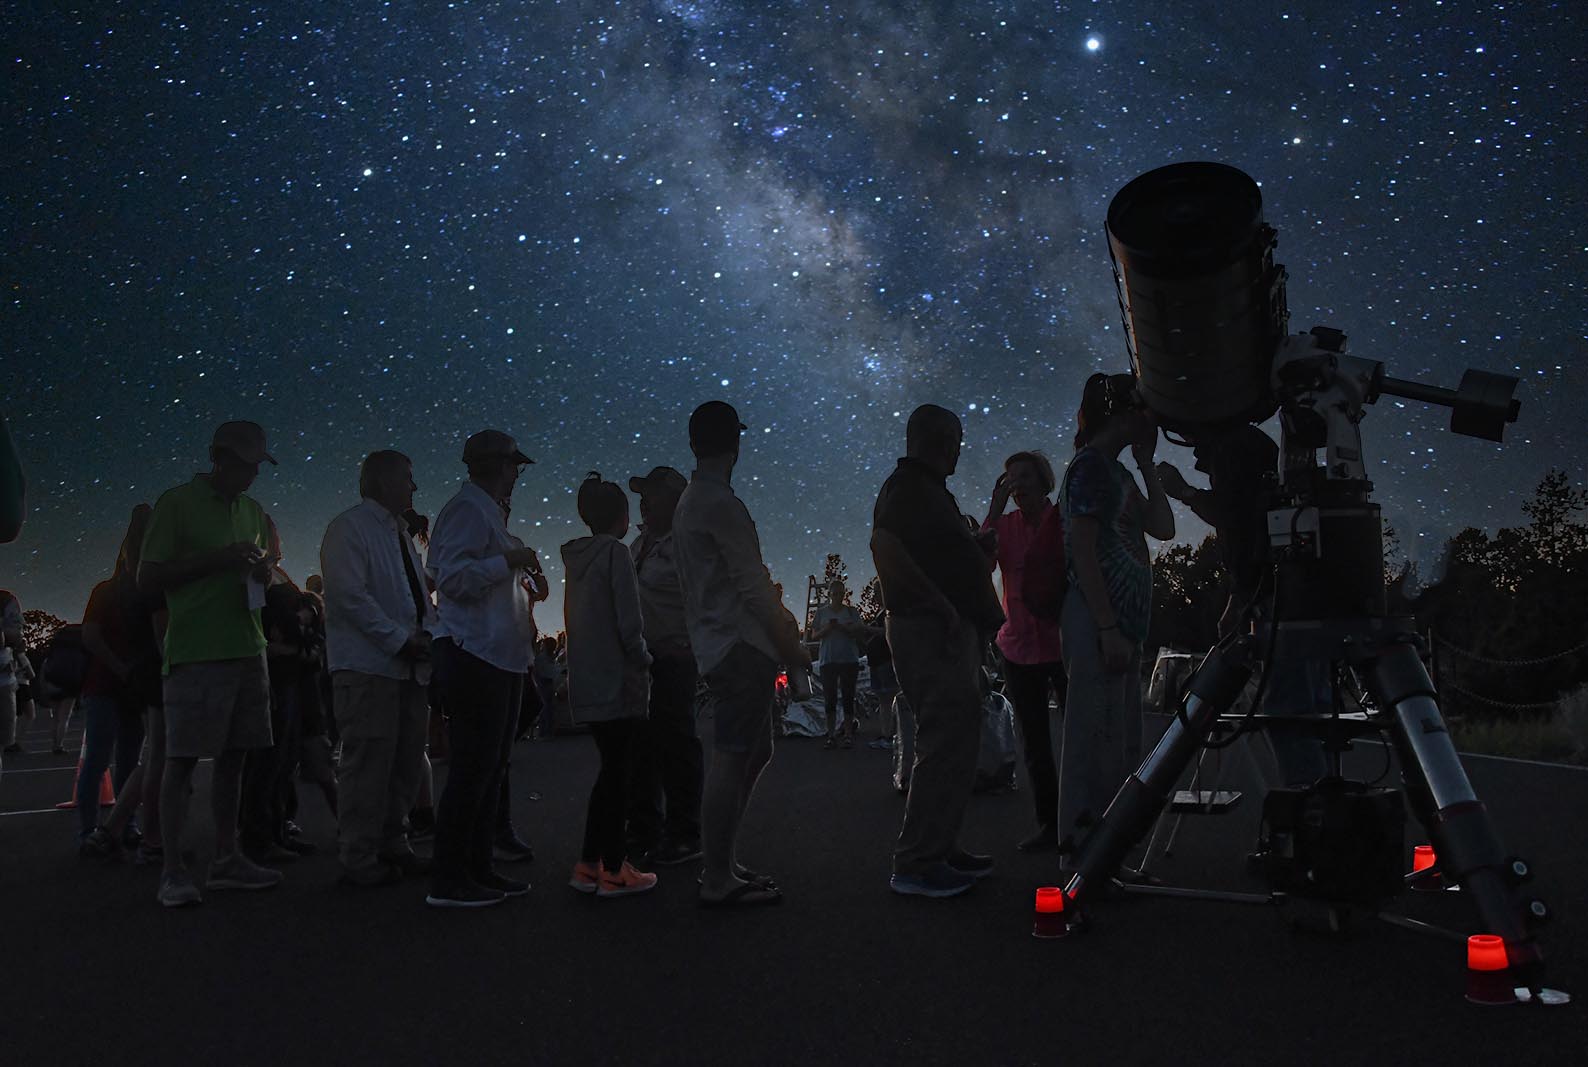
(1093, 43)
(368, 172)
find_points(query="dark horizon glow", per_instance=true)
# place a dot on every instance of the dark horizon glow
(390, 227)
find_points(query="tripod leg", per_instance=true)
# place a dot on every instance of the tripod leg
(1214, 688)
(1464, 836)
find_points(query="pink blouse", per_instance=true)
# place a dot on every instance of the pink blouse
(1023, 638)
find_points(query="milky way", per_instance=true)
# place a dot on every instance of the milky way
(373, 226)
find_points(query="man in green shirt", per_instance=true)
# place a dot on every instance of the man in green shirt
(209, 549)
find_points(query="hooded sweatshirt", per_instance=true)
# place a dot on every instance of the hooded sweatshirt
(608, 664)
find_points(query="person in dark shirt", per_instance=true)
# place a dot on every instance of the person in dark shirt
(937, 582)
(1237, 461)
(122, 682)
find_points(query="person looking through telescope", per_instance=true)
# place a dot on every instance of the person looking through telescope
(1238, 461)
(1107, 521)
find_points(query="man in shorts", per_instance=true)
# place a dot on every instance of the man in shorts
(209, 550)
(740, 633)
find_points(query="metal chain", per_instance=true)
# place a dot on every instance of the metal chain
(1510, 662)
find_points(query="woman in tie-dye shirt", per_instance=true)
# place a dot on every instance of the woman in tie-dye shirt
(1107, 520)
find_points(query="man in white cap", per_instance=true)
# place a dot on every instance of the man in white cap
(209, 549)
(483, 649)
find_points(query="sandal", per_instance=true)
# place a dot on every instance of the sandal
(747, 895)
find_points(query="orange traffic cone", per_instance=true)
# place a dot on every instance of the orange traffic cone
(107, 794)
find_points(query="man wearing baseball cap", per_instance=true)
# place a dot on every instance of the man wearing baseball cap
(482, 650)
(668, 763)
(209, 549)
(740, 632)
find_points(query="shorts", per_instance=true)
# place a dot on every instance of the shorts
(742, 689)
(214, 707)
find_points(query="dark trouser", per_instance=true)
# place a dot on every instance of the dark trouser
(839, 678)
(938, 673)
(604, 837)
(482, 701)
(109, 724)
(504, 799)
(1026, 685)
(667, 759)
(267, 773)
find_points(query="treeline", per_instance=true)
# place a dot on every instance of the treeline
(1508, 615)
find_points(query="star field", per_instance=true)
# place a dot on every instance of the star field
(388, 226)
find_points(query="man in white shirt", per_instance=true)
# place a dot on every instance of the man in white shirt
(482, 651)
(378, 625)
(740, 632)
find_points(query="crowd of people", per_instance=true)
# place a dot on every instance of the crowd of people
(201, 647)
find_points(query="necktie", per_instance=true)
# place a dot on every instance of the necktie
(414, 587)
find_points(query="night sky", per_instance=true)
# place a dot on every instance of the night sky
(387, 225)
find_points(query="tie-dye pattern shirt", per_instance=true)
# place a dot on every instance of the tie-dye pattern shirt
(1102, 488)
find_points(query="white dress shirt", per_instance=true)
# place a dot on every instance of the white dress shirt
(485, 608)
(369, 605)
(728, 592)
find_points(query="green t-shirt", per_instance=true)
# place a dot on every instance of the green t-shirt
(209, 619)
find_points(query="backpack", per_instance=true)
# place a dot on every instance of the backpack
(1045, 581)
(66, 664)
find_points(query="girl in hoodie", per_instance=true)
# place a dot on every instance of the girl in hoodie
(608, 679)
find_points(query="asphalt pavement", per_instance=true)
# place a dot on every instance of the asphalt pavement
(843, 972)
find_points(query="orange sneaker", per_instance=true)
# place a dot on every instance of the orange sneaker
(625, 881)
(586, 877)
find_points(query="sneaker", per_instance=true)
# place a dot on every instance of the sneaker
(938, 880)
(508, 887)
(268, 852)
(586, 877)
(671, 853)
(1046, 837)
(885, 744)
(99, 845)
(509, 848)
(177, 890)
(463, 895)
(299, 847)
(971, 863)
(625, 882)
(237, 871)
(148, 855)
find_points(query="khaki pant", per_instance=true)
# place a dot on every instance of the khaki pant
(938, 675)
(382, 723)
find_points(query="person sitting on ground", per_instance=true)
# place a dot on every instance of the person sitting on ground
(378, 626)
(838, 627)
(608, 681)
(208, 551)
(740, 631)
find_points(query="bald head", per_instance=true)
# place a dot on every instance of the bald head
(933, 435)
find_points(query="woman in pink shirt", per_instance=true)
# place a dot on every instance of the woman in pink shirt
(1033, 664)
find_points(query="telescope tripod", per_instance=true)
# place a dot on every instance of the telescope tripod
(1437, 788)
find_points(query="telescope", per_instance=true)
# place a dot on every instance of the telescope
(1208, 331)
